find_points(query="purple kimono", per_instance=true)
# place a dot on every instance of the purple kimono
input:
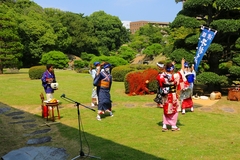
(45, 84)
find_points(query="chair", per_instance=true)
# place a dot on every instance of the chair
(48, 105)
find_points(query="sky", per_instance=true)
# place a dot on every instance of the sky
(125, 10)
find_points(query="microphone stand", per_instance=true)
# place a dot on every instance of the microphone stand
(81, 153)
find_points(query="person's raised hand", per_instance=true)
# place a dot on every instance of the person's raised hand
(183, 61)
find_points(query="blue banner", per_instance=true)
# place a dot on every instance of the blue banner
(204, 42)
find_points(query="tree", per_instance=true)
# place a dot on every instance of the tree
(139, 42)
(220, 15)
(36, 33)
(153, 31)
(10, 45)
(81, 32)
(109, 31)
(153, 50)
(126, 53)
(64, 39)
(57, 58)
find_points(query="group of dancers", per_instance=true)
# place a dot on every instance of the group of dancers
(175, 92)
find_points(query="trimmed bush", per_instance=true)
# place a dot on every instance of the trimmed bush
(36, 72)
(212, 80)
(141, 82)
(119, 73)
(57, 58)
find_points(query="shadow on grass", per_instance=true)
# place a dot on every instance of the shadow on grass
(179, 124)
(100, 147)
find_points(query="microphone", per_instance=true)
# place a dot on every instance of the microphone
(63, 96)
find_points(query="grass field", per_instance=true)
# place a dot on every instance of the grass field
(134, 133)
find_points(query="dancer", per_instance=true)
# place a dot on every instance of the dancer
(186, 94)
(158, 99)
(168, 82)
(93, 72)
(103, 81)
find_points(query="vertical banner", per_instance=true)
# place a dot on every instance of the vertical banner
(204, 42)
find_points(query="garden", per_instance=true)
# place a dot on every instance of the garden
(210, 132)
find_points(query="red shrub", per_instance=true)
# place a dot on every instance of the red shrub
(138, 81)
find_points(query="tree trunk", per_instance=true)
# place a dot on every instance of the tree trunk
(1, 68)
(214, 63)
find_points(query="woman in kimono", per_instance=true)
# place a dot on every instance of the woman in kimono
(103, 81)
(168, 82)
(48, 77)
(93, 72)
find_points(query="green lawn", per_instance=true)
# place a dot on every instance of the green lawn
(134, 133)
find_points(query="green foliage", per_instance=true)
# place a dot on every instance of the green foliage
(153, 85)
(118, 73)
(219, 15)
(236, 59)
(81, 32)
(80, 66)
(36, 72)
(237, 45)
(87, 56)
(153, 50)
(113, 60)
(152, 31)
(188, 22)
(183, 32)
(212, 78)
(226, 25)
(215, 48)
(192, 39)
(224, 67)
(126, 53)
(10, 44)
(138, 42)
(228, 5)
(57, 58)
(235, 71)
(178, 54)
(168, 49)
(108, 30)
(63, 39)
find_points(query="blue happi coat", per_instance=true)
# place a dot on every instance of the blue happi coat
(103, 81)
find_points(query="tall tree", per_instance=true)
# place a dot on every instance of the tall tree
(220, 15)
(109, 30)
(81, 32)
(64, 39)
(10, 45)
(36, 33)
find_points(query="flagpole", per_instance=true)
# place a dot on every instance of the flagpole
(203, 27)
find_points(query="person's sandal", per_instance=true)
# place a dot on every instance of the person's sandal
(164, 129)
(175, 129)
